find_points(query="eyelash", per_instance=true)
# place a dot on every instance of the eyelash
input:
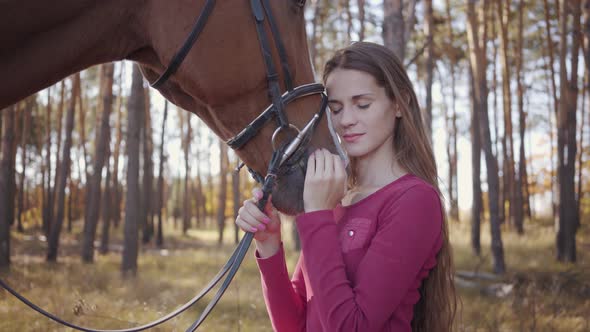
(363, 107)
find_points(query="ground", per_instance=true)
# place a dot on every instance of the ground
(536, 294)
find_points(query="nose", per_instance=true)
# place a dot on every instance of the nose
(347, 117)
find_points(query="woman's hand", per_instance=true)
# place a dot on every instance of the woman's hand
(325, 181)
(266, 227)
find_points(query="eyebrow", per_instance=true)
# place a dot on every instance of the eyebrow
(355, 97)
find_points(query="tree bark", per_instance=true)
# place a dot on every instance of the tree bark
(186, 209)
(235, 176)
(452, 151)
(148, 173)
(94, 194)
(160, 233)
(362, 19)
(429, 31)
(135, 106)
(508, 141)
(477, 47)
(6, 180)
(222, 197)
(566, 135)
(53, 243)
(116, 189)
(521, 180)
(26, 119)
(48, 201)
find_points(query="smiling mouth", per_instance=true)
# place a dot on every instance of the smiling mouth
(351, 137)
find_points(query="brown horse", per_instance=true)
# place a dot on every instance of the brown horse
(222, 80)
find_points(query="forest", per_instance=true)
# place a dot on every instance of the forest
(116, 206)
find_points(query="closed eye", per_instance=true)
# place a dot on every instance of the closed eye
(365, 106)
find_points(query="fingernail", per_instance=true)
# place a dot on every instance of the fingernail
(253, 229)
(266, 220)
(258, 195)
(261, 227)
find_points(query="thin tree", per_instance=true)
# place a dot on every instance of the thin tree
(116, 211)
(93, 201)
(566, 133)
(478, 63)
(48, 197)
(25, 120)
(148, 172)
(186, 207)
(222, 195)
(53, 243)
(135, 106)
(160, 232)
(429, 30)
(235, 177)
(521, 179)
(6, 179)
(396, 28)
(503, 10)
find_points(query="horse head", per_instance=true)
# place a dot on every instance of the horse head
(223, 78)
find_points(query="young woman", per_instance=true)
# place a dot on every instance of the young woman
(375, 249)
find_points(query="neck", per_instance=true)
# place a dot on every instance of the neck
(379, 167)
(53, 40)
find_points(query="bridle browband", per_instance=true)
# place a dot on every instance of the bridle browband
(281, 152)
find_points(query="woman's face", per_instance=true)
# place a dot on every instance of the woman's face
(362, 114)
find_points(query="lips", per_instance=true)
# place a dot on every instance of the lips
(350, 138)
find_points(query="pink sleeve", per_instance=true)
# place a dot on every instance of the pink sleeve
(285, 299)
(407, 235)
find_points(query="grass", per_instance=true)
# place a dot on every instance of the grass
(547, 295)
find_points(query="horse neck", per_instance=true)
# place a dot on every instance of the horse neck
(45, 41)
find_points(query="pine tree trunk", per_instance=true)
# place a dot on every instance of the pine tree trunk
(53, 242)
(135, 106)
(102, 143)
(222, 197)
(160, 233)
(566, 136)
(477, 46)
(361, 9)
(520, 180)
(453, 162)
(508, 148)
(429, 31)
(106, 208)
(6, 197)
(48, 202)
(186, 210)
(26, 118)
(477, 205)
(148, 173)
(235, 176)
(394, 27)
(116, 191)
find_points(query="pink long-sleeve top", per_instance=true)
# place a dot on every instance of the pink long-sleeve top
(361, 265)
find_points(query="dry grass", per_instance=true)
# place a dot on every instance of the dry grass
(547, 296)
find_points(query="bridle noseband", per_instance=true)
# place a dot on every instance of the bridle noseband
(281, 152)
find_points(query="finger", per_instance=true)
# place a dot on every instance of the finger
(255, 212)
(251, 220)
(243, 225)
(319, 163)
(257, 193)
(328, 163)
(311, 161)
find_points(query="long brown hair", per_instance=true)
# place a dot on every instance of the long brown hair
(436, 309)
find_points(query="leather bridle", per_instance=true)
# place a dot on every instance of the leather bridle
(279, 161)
